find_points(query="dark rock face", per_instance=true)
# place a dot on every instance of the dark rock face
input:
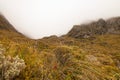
(114, 25)
(100, 27)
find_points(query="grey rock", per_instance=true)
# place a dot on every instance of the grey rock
(100, 27)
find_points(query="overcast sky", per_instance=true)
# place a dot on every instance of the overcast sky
(39, 18)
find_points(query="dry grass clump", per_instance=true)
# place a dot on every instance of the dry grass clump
(63, 55)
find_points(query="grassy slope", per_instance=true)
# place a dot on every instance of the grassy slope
(66, 58)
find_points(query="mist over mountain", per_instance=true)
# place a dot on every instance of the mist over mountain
(100, 27)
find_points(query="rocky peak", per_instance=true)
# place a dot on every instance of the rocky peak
(100, 27)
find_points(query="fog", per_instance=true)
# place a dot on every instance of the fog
(40, 18)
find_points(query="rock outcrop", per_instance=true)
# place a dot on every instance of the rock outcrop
(100, 27)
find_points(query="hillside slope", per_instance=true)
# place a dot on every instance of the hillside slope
(7, 31)
(68, 57)
(5, 25)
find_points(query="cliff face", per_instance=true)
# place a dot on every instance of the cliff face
(111, 26)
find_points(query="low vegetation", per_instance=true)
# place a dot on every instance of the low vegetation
(83, 59)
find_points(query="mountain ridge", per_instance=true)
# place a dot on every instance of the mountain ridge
(100, 27)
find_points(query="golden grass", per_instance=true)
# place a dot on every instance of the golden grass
(66, 58)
